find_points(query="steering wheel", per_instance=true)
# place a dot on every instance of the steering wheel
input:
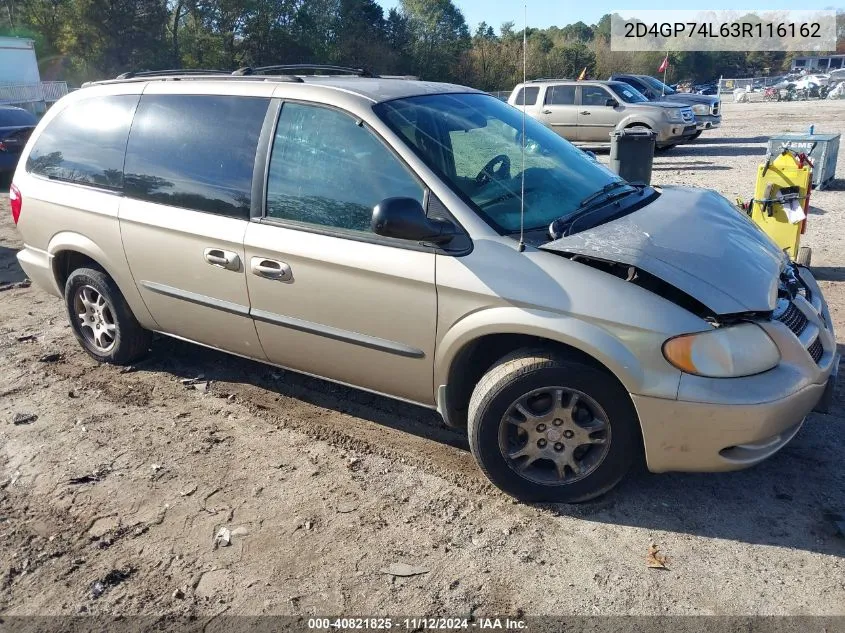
(489, 171)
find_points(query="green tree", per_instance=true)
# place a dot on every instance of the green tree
(440, 36)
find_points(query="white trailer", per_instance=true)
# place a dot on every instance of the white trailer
(20, 81)
(18, 64)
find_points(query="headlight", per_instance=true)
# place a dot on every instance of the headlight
(729, 352)
(675, 115)
(701, 108)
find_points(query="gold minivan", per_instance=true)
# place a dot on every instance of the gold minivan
(394, 235)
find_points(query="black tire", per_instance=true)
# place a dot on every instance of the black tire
(805, 255)
(696, 135)
(129, 342)
(525, 372)
(664, 148)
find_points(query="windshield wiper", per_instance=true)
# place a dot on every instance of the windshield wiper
(589, 200)
(592, 203)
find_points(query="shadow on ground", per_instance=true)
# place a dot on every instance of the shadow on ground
(829, 273)
(10, 270)
(730, 140)
(787, 501)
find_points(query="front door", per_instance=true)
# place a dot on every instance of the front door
(188, 179)
(328, 296)
(596, 119)
(560, 112)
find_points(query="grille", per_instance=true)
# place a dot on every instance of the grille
(794, 319)
(816, 350)
(716, 107)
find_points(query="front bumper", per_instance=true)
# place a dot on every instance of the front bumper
(676, 133)
(732, 423)
(707, 122)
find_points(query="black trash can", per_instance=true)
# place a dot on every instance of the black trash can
(631, 153)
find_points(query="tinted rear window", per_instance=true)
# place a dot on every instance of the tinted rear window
(85, 143)
(528, 94)
(195, 151)
(12, 117)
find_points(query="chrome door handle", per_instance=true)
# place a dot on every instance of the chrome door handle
(584, 112)
(222, 259)
(271, 269)
(547, 111)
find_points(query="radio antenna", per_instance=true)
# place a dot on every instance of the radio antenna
(524, 92)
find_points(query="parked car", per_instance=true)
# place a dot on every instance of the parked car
(374, 232)
(16, 124)
(587, 112)
(706, 108)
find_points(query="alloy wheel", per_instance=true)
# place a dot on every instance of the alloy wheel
(95, 318)
(554, 435)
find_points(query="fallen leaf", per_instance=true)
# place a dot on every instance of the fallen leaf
(655, 560)
(188, 491)
(223, 538)
(24, 418)
(403, 570)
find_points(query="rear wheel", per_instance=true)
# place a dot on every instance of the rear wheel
(101, 319)
(544, 428)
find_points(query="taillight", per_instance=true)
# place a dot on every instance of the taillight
(2, 146)
(16, 202)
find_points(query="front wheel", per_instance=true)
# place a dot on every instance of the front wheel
(544, 428)
(695, 136)
(664, 148)
(102, 320)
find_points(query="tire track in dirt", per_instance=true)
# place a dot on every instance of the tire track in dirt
(342, 417)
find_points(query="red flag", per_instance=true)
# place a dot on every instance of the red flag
(664, 64)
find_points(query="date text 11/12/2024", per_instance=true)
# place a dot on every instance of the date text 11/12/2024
(415, 624)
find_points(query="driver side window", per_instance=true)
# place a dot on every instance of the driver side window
(594, 96)
(327, 170)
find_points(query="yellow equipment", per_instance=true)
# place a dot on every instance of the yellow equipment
(782, 201)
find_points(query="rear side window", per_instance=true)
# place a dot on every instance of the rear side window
(195, 151)
(560, 95)
(527, 96)
(85, 143)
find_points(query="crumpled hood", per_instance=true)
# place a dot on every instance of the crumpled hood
(695, 240)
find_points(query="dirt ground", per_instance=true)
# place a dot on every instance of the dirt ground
(111, 500)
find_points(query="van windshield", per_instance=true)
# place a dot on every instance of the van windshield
(474, 142)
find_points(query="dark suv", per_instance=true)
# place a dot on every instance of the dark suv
(707, 109)
(16, 124)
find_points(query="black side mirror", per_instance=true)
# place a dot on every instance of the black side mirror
(405, 218)
(611, 103)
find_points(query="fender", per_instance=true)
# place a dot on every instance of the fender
(633, 119)
(584, 336)
(117, 270)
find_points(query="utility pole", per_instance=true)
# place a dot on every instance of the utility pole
(9, 10)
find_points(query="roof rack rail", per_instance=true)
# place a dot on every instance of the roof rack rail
(175, 71)
(292, 68)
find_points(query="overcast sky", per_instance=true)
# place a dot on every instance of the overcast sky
(545, 13)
